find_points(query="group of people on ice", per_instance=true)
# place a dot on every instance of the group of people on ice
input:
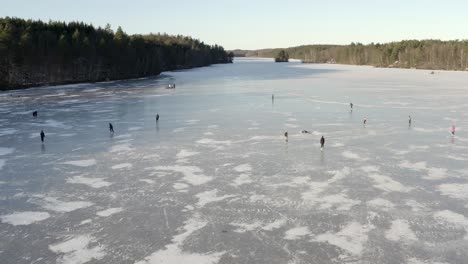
(364, 122)
(322, 139)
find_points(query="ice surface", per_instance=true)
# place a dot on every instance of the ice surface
(6, 151)
(214, 181)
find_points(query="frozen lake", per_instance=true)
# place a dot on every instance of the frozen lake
(214, 181)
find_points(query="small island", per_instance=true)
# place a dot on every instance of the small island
(282, 56)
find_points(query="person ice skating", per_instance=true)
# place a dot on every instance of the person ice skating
(322, 142)
(305, 132)
(157, 117)
(351, 106)
(364, 122)
(286, 135)
(409, 120)
(272, 97)
(111, 128)
(35, 114)
(42, 135)
(453, 130)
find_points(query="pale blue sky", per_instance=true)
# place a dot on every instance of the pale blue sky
(263, 24)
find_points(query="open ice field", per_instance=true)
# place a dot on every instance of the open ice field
(215, 182)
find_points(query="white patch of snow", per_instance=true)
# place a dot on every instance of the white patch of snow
(210, 197)
(77, 250)
(400, 230)
(186, 153)
(24, 218)
(454, 190)
(122, 166)
(53, 204)
(351, 238)
(297, 233)
(242, 179)
(120, 148)
(381, 204)
(387, 184)
(91, 182)
(173, 253)
(109, 212)
(81, 163)
(351, 155)
(6, 151)
(191, 174)
(243, 168)
(149, 181)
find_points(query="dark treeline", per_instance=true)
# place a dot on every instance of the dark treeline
(37, 53)
(424, 54)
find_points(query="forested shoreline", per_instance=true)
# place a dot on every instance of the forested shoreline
(34, 53)
(420, 54)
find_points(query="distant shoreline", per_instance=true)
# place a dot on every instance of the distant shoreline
(366, 65)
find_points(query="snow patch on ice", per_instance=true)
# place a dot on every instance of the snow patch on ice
(381, 204)
(297, 233)
(149, 181)
(370, 168)
(24, 218)
(180, 186)
(86, 221)
(351, 238)
(419, 261)
(207, 197)
(312, 197)
(418, 166)
(81, 163)
(7, 131)
(6, 151)
(186, 153)
(208, 141)
(243, 168)
(339, 201)
(400, 230)
(244, 227)
(126, 147)
(242, 179)
(275, 225)
(173, 253)
(122, 166)
(91, 182)
(53, 204)
(387, 184)
(432, 172)
(453, 218)
(351, 155)
(109, 212)
(291, 125)
(192, 121)
(454, 190)
(77, 250)
(192, 174)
